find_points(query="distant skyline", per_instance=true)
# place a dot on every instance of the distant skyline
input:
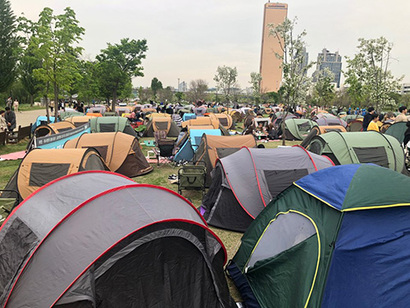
(188, 40)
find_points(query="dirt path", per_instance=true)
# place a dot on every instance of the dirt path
(24, 118)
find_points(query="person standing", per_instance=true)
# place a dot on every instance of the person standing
(10, 118)
(402, 117)
(367, 118)
(3, 124)
(9, 102)
(16, 106)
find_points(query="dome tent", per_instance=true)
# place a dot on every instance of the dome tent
(244, 182)
(121, 152)
(360, 147)
(153, 233)
(329, 235)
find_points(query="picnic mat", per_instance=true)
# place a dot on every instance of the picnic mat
(13, 156)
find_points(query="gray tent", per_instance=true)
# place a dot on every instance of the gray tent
(244, 182)
(95, 239)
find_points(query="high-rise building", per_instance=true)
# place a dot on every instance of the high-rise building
(331, 61)
(270, 65)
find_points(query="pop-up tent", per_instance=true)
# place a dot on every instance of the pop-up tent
(397, 130)
(224, 119)
(42, 120)
(360, 147)
(213, 147)
(161, 123)
(328, 120)
(244, 182)
(97, 240)
(121, 152)
(78, 120)
(339, 237)
(298, 129)
(191, 143)
(41, 166)
(317, 130)
(111, 124)
(53, 128)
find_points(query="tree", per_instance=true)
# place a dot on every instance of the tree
(226, 80)
(88, 88)
(8, 46)
(54, 43)
(197, 89)
(295, 83)
(156, 85)
(144, 94)
(255, 82)
(369, 70)
(324, 89)
(121, 62)
(166, 95)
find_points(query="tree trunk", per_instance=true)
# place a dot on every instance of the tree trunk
(55, 86)
(31, 99)
(114, 100)
(47, 110)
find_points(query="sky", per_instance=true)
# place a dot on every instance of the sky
(187, 40)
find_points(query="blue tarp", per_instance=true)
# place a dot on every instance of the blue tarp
(41, 120)
(188, 116)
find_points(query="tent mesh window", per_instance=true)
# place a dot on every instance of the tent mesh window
(43, 173)
(161, 125)
(102, 150)
(283, 233)
(223, 121)
(223, 152)
(305, 126)
(279, 180)
(107, 127)
(375, 155)
(316, 147)
(93, 162)
(61, 130)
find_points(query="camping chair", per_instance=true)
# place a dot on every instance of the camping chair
(164, 146)
(9, 199)
(192, 177)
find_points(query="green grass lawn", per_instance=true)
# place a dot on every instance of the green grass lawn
(159, 176)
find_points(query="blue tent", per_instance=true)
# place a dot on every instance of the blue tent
(339, 237)
(188, 149)
(188, 116)
(40, 121)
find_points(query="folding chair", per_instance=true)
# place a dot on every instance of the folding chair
(192, 177)
(164, 147)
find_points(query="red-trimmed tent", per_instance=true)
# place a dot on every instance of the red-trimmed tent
(244, 182)
(97, 239)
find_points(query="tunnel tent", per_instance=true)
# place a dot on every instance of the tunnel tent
(244, 182)
(53, 128)
(224, 119)
(111, 124)
(298, 129)
(213, 147)
(41, 166)
(360, 147)
(161, 123)
(121, 152)
(322, 233)
(107, 264)
(397, 130)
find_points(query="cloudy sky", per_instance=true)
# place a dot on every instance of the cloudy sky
(188, 40)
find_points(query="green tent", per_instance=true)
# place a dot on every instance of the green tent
(111, 124)
(360, 147)
(338, 237)
(298, 129)
(397, 130)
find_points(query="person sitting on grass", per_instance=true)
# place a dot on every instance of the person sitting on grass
(373, 123)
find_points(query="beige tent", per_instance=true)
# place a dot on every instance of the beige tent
(41, 166)
(224, 119)
(53, 128)
(79, 120)
(202, 121)
(212, 148)
(161, 123)
(121, 152)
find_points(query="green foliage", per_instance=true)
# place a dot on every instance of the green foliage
(166, 95)
(156, 85)
(255, 82)
(295, 84)
(368, 73)
(324, 89)
(225, 79)
(8, 46)
(145, 94)
(119, 63)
